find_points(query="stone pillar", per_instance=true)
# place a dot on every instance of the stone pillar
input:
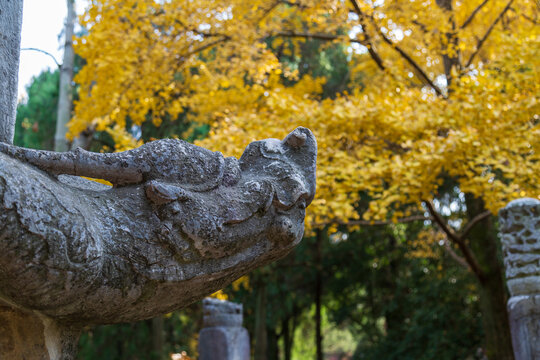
(520, 230)
(222, 336)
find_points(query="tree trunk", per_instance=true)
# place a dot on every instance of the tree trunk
(393, 315)
(287, 340)
(261, 338)
(10, 35)
(493, 295)
(157, 337)
(273, 347)
(318, 295)
(66, 77)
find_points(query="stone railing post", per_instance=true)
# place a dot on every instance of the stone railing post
(520, 230)
(222, 336)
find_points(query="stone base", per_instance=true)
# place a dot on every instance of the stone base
(21, 335)
(26, 335)
(224, 343)
(524, 314)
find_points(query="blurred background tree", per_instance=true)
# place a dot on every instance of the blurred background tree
(36, 114)
(427, 118)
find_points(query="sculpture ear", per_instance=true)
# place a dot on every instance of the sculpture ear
(295, 139)
(162, 193)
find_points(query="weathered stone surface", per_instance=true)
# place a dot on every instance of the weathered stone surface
(524, 314)
(10, 44)
(17, 333)
(520, 235)
(223, 337)
(221, 313)
(180, 223)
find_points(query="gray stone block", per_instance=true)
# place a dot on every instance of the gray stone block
(223, 337)
(520, 236)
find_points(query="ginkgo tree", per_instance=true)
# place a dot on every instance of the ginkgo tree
(439, 93)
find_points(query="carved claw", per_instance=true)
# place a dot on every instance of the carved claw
(161, 193)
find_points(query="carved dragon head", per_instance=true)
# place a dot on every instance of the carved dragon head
(130, 252)
(291, 162)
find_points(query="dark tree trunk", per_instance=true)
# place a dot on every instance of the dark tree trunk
(287, 338)
(261, 345)
(318, 295)
(393, 316)
(273, 348)
(493, 295)
(157, 337)
(66, 78)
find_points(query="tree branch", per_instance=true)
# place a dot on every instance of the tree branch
(377, 223)
(44, 52)
(473, 222)
(473, 14)
(368, 43)
(526, 17)
(442, 224)
(458, 240)
(461, 261)
(327, 37)
(330, 37)
(197, 31)
(414, 64)
(488, 32)
(269, 10)
(403, 54)
(207, 46)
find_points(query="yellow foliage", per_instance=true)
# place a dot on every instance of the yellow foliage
(242, 282)
(219, 295)
(426, 243)
(393, 138)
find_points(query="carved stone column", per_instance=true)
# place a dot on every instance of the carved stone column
(223, 337)
(520, 230)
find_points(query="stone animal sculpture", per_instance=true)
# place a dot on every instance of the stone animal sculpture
(179, 223)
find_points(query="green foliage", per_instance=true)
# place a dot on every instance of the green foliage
(317, 59)
(135, 341)
(36, 114)
(126, 341)
(398, 300)
(36, 117)
(401, 306)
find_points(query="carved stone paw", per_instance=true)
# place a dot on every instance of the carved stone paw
(161, 193)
